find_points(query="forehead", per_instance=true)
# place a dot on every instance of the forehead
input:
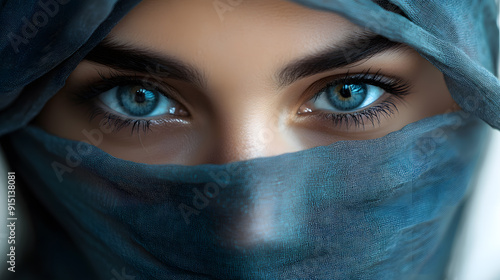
(200, 28)
(238, 48)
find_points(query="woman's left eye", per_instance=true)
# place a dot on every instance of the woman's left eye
(139, 101)
(345, 97)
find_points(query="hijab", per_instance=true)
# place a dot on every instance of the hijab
(386, 208)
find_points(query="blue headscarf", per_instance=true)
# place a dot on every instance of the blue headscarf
(385, 208)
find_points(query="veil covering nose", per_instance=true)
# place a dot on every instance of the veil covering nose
(385, 208)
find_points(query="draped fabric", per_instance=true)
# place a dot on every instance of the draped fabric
(42, 42)
(385, 208)
(375, 209)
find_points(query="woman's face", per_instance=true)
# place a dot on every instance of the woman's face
(195, 81)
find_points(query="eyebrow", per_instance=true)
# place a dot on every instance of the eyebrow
(356, 48)
(128, 58)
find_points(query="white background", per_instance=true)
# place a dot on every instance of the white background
(478, 258)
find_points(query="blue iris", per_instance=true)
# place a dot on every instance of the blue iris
(347, 97)
(138, 102)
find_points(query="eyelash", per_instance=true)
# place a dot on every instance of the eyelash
(397, 87)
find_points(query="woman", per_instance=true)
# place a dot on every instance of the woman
(218, 139)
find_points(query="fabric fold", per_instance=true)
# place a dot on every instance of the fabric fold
(350, 210)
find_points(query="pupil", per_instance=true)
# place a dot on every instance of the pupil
(345, 91)
(347, 97)
(140, 97)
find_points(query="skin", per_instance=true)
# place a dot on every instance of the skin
(242, 113)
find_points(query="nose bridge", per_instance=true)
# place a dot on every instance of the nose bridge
(244, 134)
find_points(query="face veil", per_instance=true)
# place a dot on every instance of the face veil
(385, 208)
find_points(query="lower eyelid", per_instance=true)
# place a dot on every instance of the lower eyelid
(371, 115)
(115, 121)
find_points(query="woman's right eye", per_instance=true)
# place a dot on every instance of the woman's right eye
(140, 102)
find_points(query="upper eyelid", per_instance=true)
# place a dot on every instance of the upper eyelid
(377, 79)
(118, 78)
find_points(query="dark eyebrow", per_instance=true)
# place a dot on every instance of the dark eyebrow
(123, 57)
(356, 48)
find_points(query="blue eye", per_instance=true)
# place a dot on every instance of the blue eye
(138, 101)
(347, 97)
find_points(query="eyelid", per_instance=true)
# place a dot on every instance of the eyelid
(114, 79)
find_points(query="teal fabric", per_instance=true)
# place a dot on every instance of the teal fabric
(386, 208)
(375, 209)
(36, 58)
